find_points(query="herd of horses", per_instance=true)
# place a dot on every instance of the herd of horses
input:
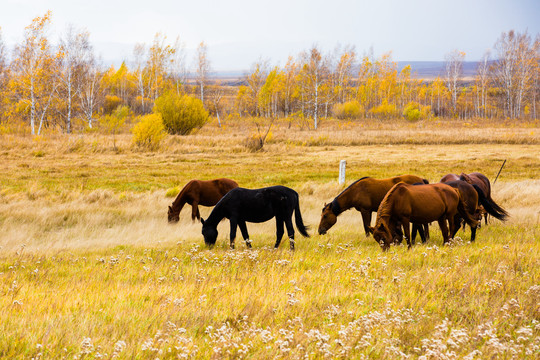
(398, 201)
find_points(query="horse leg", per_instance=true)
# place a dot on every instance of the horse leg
(444, 229)
(233, 222)
(366, 219)
(416, 229)
(406, 230)
(423, 231)
(290, 230)
(279, 231)
(245, 235)
(473, 234)
(195, 210)
(457, 225)
(452, 226)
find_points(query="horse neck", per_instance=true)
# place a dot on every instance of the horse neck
(180, 201)
(345, 201)
(216, 215)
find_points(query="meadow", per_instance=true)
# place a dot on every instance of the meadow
(90, 268)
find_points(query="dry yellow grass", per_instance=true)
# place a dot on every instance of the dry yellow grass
(89, 267)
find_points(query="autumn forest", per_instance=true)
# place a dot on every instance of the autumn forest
(64, 87)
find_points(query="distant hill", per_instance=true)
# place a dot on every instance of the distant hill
(432, 69)
(420, 70)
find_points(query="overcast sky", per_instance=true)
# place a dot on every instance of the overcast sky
(239, 32)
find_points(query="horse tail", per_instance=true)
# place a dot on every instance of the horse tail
(425, 181)
(298, 219)
(491, 206)
(462, 210)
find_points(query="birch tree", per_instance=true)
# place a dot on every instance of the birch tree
(453, 72)
(179, 69)
(514, 70)
(255, 80)
(74, 55)
(482, 83)
(34, 63)
(90, 90)
(139, 54)
(158, 63)
(313, 77)
(4, 79)
(202, 68)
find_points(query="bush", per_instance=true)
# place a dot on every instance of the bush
(414, 111)
(180, 113)
(115, 121)
(111, 103)
(348, 110)
(149, 132)
(385, 110)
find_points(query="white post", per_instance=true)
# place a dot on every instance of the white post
(342, 164)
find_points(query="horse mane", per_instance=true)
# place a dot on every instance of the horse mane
(181, 195)
(385, 206)
(336, 208)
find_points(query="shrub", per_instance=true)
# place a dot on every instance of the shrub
(114, 121)
(180, 113)
(348, 110)
(414, 111)
(149, 132)
(385, 110)
(111, 103)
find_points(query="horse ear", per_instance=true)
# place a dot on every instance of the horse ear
(202, 221)
(170, 208)
(371, 229)
(325, 204)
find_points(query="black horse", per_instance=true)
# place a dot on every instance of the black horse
(259, 205)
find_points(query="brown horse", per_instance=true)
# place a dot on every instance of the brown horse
(406, 203)
(477, 203)
(199, 192)
(483, 183)
(365, 195)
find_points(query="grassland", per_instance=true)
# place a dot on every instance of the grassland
(90, 269)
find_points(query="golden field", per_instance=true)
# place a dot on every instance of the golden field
(89, 267)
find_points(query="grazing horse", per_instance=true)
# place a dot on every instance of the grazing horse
(473, 196)
(244, 205)
(365, 195)
(406, 203)
(199, 192)
(483, 183)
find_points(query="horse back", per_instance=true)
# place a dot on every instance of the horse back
(482, 181)
(449, 177)
(209, 192)
(378, 188)
(424, 203)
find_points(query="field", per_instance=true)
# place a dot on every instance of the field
(89, 267)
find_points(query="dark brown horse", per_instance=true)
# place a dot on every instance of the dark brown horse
(199, 192)
(365, 195)
(406, 203)
(479, 179)
(477, 203)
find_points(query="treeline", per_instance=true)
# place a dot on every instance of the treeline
(65, 86)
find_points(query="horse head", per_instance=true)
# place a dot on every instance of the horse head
(173, 217)
(382, 234)
(328, 219)
(209, 232)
